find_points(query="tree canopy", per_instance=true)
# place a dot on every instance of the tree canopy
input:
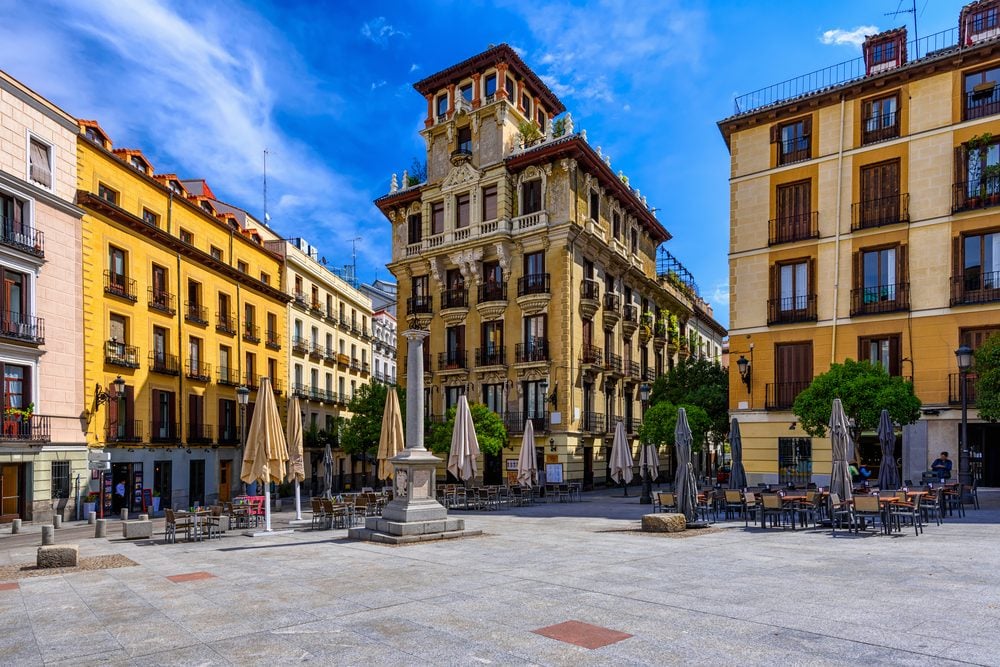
(361, 432)
(865, 389)
(696, 382)
(987, 369)
(490, 431)
(658, 426)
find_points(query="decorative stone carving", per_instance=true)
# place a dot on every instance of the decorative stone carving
(461, 176)
(501, 114)
(503, 259)
(394, 185)
(568, 124)
(436, 267)
(475, 124)
(451, 132)
(583, 134)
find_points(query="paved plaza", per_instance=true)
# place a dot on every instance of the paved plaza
(727, 596)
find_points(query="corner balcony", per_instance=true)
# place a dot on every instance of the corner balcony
(422, 308)
(530, 222)
(454, 305)
(533, 292)
(612, 310)
(492, 301)
(590, 298)
(593, 422)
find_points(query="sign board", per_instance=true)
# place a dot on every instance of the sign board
(552, 458)
(99, 465)
(511, 464)
(147, 499)
(95, 455)
(554, 473)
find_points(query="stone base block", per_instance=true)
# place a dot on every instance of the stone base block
(664, 523)
(369, 535)
(446, 525)
(132, 530)
(58, 555)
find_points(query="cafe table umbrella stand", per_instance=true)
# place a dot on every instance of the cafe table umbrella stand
(527, 465)
(649, 462)
(737, 473)
(685, 484)
(296, 453)
(888, 476)
(390, 441)
(621, 458)
(266, 453)
(464, 444)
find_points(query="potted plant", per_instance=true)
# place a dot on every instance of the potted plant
(990, 183)
(90, 503)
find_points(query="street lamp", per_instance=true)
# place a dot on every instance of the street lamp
(647, 482)
(243, 397)
(964, 357)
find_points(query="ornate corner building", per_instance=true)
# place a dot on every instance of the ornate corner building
(534, 266)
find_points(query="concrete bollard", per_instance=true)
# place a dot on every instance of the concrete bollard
(124, 514)
(91, 518)
(56, 521)
(48, 535)
(15, 526)
(143, 517)
(101, 530)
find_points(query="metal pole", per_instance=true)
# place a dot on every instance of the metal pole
(647, 482)
(964, 474)
(243, 441)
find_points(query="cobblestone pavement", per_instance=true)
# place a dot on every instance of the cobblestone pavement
(735, 595)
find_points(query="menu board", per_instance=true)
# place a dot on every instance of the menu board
(554, 473)
(137, 486)
(147, 500)
(106, 488)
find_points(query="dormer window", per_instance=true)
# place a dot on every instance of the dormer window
(885, 51)
(442, 105)
(95, 135)
(205, 206)
(981, 22)
(138, 164)
(176, 187)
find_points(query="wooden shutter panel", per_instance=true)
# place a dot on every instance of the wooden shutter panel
(155, 409)
(807, 126)
(894, 356)
(961, 175)
(129, 404)
(859, 270)
(811, 287)
(957, 285)
(775, 133)
(171, 408)
(902, 266)
(773, 281)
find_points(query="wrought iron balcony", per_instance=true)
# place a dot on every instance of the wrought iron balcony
(590, 289)
(200, 371)
(301, 300)
(880, 127)
(25, 428)
(781, 395)
(982, 103)
(613, 363)
(591, 354)
(165, 364)
(452, 359)
(955, 388)
(229, 434)
(161, 300)
(124, 430)
(273, 340)
(300, 345)
(162, 431)
(495, 355)
(199, 434)
(793, 228)
(536, 349)
(120, 354)
(593, 422)
(630, 313)
(633, 370)
(455, 298)
(419, 305)
(975, 286)
(613, 302)
(251, 333)
(980, 193)
(120, 285)
(21, 236)
(20, 327)
(534, 283)
(515, 421)
(791, 309)
(880, 211)
(229, 376)
(225, 323)
(195, 313)
(492, 291)
(880, 299)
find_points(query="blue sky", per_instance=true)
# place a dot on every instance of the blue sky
(326, 87)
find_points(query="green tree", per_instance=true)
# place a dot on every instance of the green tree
(490, 431)
(697, 382)
(987, 367)
(361, 432)
(864, 389)
(659, 424)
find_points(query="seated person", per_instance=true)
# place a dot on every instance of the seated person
(942, 466)
(864, 472)
(855, 475)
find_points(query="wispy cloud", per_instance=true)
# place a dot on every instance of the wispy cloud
(414, 67)
(720, 299)
(379, 31)
(840, 37)
(378, 84)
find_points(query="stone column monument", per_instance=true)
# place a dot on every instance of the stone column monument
(414, 514)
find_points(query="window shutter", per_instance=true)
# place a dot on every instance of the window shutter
(859, 270)
(773, 282)
(129, 404)
(956, 268)
(961, 175)
(155, 409)
(171, 409)
(902, 266)
(113, 415)
(40, 171)
(811, 287)
(775, 133)
(894, 356)
(807, 126)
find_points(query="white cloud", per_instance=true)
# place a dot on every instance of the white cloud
(379, 31)
(720, 297)
(378, 84)
(414, 67)
(855, 37)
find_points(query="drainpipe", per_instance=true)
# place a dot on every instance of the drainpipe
(180, 355)
(836, 263)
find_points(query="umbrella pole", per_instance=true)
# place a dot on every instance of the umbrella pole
(267, 506)
(624, 484)
(298, 502)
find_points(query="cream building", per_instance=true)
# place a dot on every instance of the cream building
(384, 334)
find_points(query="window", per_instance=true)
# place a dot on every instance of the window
(419, 286)
(462, 211)
(531, 196)
(883, 52)
(489, 196)
(881, 201)
(40, 162)
(540, 117)
(265, 278)
(978, 173)
(186, 237)
(442, 104)
(163, 415)
(534, 400)
(107, 194)
(14, 217)
(465, 140)
(414, 228)
(194, 354)
(595, 205)
(207, 207)
(490, 85)
(526, 104)
(118, 328)
(451, 396)
(535, 340)
(437, 218)
(138, 164)
(793, 210)
(176, 187)
(792, 299)
(16, 386)
(985, 20)
(534, 263)
(466, 92)
(249, 315)
(216, 253)
(224, 359)
(60, 472)
(161, 294)
(880, 284)
(616, 224)
(150, 218)
(94, 135)
(794, 460)
(117, 272)
(455, 347)
(634, 240)
(881, 119)
(242, 266)
(14, 302)
(509, 87)
(250, 370)
(982, 97)
(882, 351)
(979, 268)
(793, 364)
(793, 140)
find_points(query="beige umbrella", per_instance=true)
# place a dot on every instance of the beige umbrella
(649, 458)
(390, 441)
(296, 454)
(464, 443)
(266, 453)
(621, 457)
(527, 465)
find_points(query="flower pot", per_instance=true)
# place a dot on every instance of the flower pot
(88, 508)
(156, 503)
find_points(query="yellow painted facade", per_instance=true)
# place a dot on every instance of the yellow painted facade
(178, 301)
(929, 304)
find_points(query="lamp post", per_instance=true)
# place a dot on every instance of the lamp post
(243, 397)
(964, 357)
(647, 482)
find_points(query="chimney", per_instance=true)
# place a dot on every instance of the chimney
(885, 51)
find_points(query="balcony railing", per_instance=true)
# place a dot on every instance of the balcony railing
(515, 421)
(613, 302)
(166, 364)
(251, 333)
(613, 362)
(301, 300)
(634, 370)
(491, 356)
(300, 390)
(251, 381)
(419, 305)
(593, 422)
(316, 307)
(196, 313)
(300, 345)
(199, 434)
(229, 376)
(649, 375)
(229, 434)
(120, 354)
(452, 359)
(200, 371)
(316, 351)
(162, 431)
(590, 289)
(791, 309)
(23, 428)
(781, 395)
(795, 149)
(161, 300)
(21, 236)
(536, 349)
(533, 283)
(793, 228)
(124, 430)
(273, 340)
(880, 127)
(21, 327)
(881, 211)
(591, 354)
(976, 194)
(975, 286)
(120, 285)
(982, 103)
(630, 313)
(955, 388)
(225, 323)
(492, 291)
(880, 299)
(455, 298)
(345, 323)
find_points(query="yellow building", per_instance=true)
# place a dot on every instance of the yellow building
(176, 295)
(863, 225)
(534, 266)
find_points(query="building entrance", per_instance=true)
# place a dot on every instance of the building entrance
(12, 489)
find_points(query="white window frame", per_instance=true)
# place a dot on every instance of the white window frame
(29, 137)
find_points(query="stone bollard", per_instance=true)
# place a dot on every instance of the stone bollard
(48, 535)
(56, 521)
(143, 517)
(91, 518)
(102, 528)
(124, 514)
(15, 526)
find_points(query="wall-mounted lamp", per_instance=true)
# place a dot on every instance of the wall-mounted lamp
(792, 427)
(114, 390)
(552, 444)
(746, 370)
(189, 451)
(643, 393)
(553, 397)
(242, 395)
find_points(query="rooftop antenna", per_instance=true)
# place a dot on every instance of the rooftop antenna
(354, 257)
(267, 218)
(911, 10)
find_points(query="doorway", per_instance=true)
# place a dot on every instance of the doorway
(225, 480)
(588, 468)
(196, 483)
(12, 491)
(126, 479)
(492, 470)
(163, 483)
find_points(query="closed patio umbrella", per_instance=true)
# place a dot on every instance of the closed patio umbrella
(464, 443)
(527, 465)
(327, 471)
(390, 441)
(685, 484)
(621, 457)
(296, 454)
(841, 446)
(650, 460)
(266, 453)
(737, 474)
(888, 476)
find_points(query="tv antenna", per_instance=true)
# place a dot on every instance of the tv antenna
(267, 218)
(911, 10)
(354, 259)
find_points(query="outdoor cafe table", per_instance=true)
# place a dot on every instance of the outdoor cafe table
(198, 519)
